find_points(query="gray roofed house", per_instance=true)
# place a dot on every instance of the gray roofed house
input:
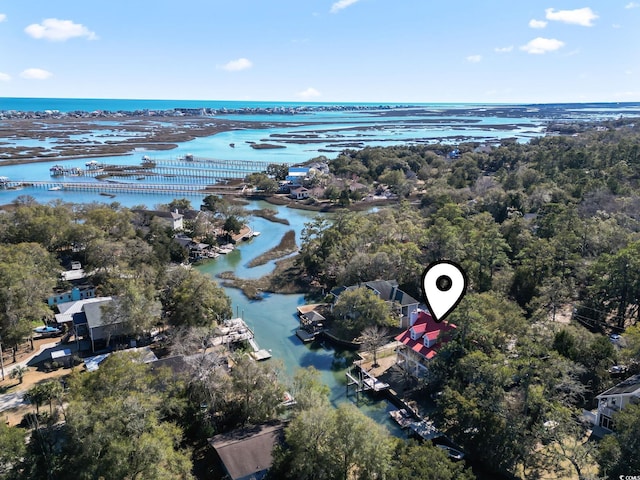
(388, 291)
(87, 319)
(246, 454)
(615, 399)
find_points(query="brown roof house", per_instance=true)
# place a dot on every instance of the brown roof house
(245, 454)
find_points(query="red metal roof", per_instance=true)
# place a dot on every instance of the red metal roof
(428, 327)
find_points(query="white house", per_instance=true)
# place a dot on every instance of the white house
(421, 342)
(173, 219)
(615, 399)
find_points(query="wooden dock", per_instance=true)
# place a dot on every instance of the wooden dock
(236, 330)
(363, 381)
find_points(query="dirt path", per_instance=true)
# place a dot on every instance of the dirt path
(12, 405)
(12, 391)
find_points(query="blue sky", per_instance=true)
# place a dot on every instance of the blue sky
(323, 50)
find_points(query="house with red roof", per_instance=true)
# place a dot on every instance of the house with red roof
(421, 342)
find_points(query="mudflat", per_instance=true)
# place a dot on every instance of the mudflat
(26, 140)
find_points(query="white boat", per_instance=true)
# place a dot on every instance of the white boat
(454, 454)
(47, 331)
(256, 234)
(55, 189)
(92, 163)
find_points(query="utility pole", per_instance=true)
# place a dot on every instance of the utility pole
(1, 359)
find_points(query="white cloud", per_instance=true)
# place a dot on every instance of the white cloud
(580, 16)
(4, 77)
(35, 74)
(308, 93)
(237, 65)
(3, 17)
(56, 30)
(474, 58)
(340, 4)
(616, 26)
(533, 23)
(632, 5)
(542, 45)
(504, 49)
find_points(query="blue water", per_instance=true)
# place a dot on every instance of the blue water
(118, 104)
(274, 318)
(109, 104)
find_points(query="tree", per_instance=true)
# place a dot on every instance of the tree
(309, 390)
(232, 225)
(619, 452)
(115, 428)
(256, 391)
(180, 204)
(193, 299)
(19, 372)
(27, 275)
(135, 310)
(372, 338)
(339, 444)
(279, 171)
(12, 448)
(568, 445)
(358, 308)
(262, 182)
(614, 285)
(45, 392)
(215, 204)
(426, 462)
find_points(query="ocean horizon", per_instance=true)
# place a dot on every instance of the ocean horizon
(41, 104)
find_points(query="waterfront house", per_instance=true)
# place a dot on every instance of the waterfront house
(174, 220)
(421, 342)
(246, 454)
(615, 399)
(197, 250)
(388, 291)
(299, 193)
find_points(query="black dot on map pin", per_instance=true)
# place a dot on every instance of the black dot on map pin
(444, 283)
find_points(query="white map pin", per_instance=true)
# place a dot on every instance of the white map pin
(444, 283)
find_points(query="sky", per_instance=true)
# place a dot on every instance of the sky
(398, 51)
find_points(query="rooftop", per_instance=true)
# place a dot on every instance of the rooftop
(247, 451)
(630, 385)
(427, 327)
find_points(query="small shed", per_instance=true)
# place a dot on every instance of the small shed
(62, 356)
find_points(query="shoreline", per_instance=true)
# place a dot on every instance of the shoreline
(133, 134)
